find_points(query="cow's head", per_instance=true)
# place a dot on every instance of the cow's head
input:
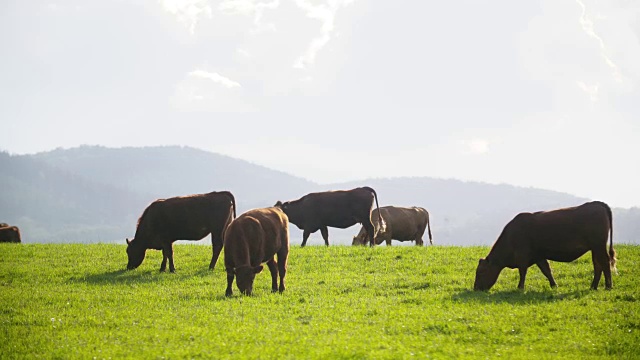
(486, 275)
(135, 253)
(245, 276)
(359, 239)
(293, 211)
(282, 205)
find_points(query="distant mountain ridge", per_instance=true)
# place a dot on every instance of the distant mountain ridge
(95, 194)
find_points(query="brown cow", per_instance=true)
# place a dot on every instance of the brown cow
(340, 209)
(253, 238)
(558, 235)
(10, 234)
(181, 218)
(402, 224)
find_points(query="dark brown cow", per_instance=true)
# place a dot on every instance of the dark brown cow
(253, 238)
(181, 218)
(10, 234)
(402, 224)
(559, 235)
(339, 209)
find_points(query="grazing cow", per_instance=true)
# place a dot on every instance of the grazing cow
(253, 238)
(181, 218)
(10, 234)
(340, 209)
(402, 224)
(558, 235)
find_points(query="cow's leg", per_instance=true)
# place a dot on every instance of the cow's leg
(282, 266)
(419, 241)
(368, 226)
(167, 253)
(546, 270)
(305, 237)
(216, 244)
(598, 267)
(273, 268)
(163, 265)
(230, 276)
(606, 267)
(388, 241)
(602, 258)
(523, 276)
(325, 235)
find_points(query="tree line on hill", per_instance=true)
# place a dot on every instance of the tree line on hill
(96, 194)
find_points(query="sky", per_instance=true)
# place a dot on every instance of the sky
(542, 93)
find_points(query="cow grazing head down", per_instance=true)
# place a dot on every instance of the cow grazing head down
(486, 275)
(135, 254)
(245, 276)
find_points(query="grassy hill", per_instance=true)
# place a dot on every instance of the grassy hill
(76, 301)
(96, 194)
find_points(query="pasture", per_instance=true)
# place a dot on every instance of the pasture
(76, 301)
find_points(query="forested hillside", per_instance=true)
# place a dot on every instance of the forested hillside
(96, 194)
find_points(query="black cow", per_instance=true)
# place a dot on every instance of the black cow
(181, 218)
(339, 209)
(559, 235)
(10, 234)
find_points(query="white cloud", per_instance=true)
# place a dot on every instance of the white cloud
(477, 146)
(326, 13)
(188, 12)
(251, 7)
(215, 77)
(588, 27)
(591, 90)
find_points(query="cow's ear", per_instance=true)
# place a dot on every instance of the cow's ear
(278, 204)
(257, 269)
(128, 241)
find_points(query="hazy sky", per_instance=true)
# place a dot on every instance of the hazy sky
(542, 93)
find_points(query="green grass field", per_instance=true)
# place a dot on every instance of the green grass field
(76, 301)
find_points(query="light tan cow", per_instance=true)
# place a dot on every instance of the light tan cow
(401, 223)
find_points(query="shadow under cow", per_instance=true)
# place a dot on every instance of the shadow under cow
(518, 297)
(139, 276)
(118, 277)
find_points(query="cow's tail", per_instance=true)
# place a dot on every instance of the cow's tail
(612, 252)
(429, 228)
(233, 203)
(232, 198)
(383, 225)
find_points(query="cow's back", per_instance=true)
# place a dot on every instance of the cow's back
(261, 232)
(340, 208)
(10, 234)
(559, 235)
(568, 230)
(185, 217)
(403, 223)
